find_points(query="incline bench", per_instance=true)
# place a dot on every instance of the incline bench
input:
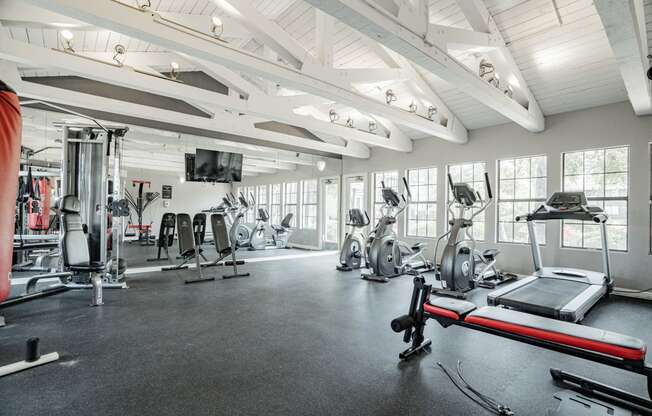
(604, 347)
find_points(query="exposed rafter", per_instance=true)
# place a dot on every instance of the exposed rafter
(387, 29)
(260, 106)
(624, 23)
(235, 125)
(148, 26)
(480, 19)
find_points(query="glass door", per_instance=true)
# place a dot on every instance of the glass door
(331, 209)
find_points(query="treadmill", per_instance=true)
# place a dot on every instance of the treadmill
(561, 293)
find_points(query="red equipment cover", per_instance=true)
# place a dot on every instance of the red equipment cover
(10, 138)
(38, 217)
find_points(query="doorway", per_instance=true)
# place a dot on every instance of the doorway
(330, 213)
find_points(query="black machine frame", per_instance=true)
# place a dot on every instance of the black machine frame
(413, 326)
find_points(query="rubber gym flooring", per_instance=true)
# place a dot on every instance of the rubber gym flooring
(295, 338)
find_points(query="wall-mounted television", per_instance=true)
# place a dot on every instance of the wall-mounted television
(212, 166)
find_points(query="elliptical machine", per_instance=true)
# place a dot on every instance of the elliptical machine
(457, 269)
(387, 256)
(353, 249)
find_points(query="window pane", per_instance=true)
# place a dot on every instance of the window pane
(573, 163)
(572, 235)
(473, 174)
(616, 160)
(421, 214)
(593, 161)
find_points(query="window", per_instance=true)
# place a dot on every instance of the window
(275, 204)
(261, 198)
(309, 204)
(473, 174)
(248, 191)
(422, 212)
(291, 199)
(522, 187)
(391, 180)
(603, 176)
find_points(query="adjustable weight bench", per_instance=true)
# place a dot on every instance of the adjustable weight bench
(593, 344)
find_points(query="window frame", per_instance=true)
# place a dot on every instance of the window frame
(307, 206)
(273, 205)
(287, 204)
(541, 239)
(415, 203)
(599, 200)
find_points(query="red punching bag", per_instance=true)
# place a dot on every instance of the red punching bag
(10, 137)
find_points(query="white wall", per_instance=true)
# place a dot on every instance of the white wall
(603, 126)
(187, 197)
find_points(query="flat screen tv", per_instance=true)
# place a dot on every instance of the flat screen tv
(212, 166)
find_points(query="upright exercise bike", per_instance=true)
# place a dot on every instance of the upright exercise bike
(387, 256)
(457, 269)
(353, 249)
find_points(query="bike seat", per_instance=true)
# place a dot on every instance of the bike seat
(278, 228)
(490, 253)
(418, 246)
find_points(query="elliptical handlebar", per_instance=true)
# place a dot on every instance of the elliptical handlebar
(450, 183)
(487, 185)
(407, 188)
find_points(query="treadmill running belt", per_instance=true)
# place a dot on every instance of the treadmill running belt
(543, 296)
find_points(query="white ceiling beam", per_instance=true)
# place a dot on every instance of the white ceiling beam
(627, 36)
(324, 38)
(265, 31)
(448, 37)
(241, 126)
(225, 76)
(372, 75)
(480, 19)
(261, 106)
(146, 136)
(149, 27)
(390, 32)
(20, 13)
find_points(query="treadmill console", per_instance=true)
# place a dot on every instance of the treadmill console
(567, 201)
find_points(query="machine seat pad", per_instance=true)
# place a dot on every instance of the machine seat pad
(418, 246)
(559, 332)
(448, 307)
(490, 253)
(278, 228)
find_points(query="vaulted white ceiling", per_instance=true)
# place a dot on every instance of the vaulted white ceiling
(559, 49)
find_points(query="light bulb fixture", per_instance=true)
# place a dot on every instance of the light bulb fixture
(432, 112)
(509, 91)
(495, 81)
(486, 70)
(67, 37)
(321, 165)
(413, 107)
(182, 179)
(144, 5)
(332, 114)
(349, 122)
(174, 70)
(372, 126)
(390, 97)
(218, 27)
(119, 54)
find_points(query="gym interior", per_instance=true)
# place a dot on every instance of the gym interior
(325, 207)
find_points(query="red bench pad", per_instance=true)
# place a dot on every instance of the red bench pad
(559, 332)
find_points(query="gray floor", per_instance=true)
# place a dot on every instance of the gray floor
(296, 338)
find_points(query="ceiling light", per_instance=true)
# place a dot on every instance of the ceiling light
(218, 27)
(372, 126)
(321, 165)
(432, 111)
(174, 70)
(413, 107)
(390, 97)
(182, 179)
(119, 54)
(144, 5)
(509, 91)
(349, 122)
(67, 36)
(332, 114)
